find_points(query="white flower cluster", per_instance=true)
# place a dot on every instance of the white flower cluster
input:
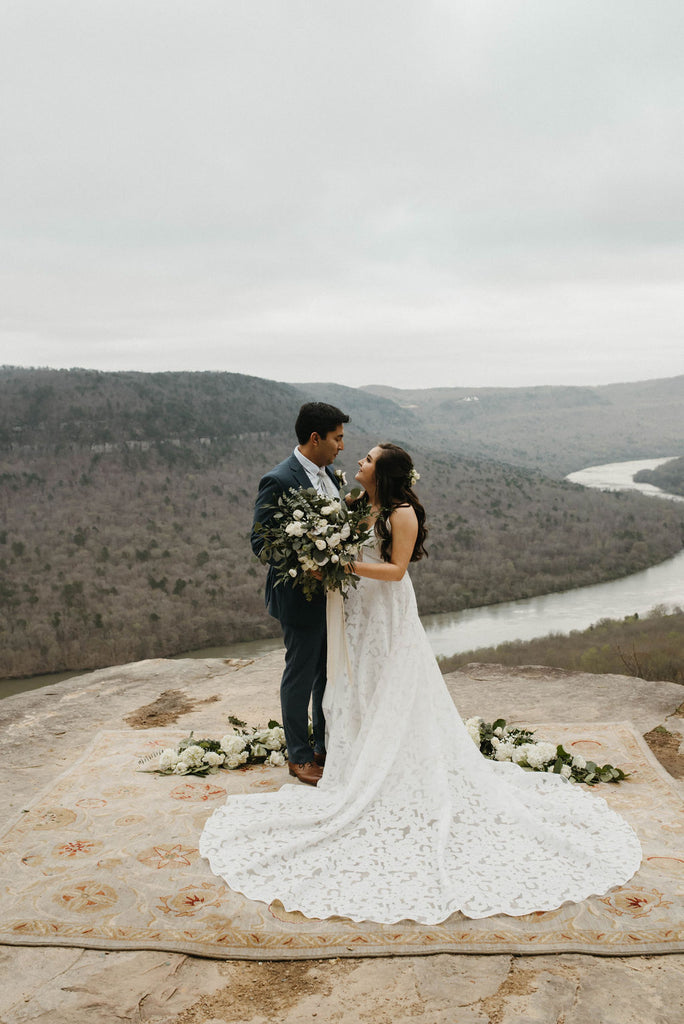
(506, 746)
(500, 742)
(264, 746)
(312, 538)
(473, 727)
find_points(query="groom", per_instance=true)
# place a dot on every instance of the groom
(320, 432)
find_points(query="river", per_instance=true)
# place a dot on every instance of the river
(452, 633)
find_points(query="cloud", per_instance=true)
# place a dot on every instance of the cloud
(238, 179)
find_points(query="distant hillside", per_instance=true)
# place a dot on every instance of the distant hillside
(126, 503)
(554, 429)
(88, 406)
(669, 477)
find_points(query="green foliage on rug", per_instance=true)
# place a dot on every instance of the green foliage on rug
(500, 742)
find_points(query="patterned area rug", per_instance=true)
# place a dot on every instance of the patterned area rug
(107, 858)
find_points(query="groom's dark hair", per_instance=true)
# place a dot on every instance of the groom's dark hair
(318, 418)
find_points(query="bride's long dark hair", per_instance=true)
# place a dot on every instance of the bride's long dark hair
(394, 476)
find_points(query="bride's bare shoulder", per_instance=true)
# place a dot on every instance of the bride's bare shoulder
(403, 515)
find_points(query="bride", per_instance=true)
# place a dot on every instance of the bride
(409, 820)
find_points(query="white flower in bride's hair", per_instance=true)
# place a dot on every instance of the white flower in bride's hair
(413, 477)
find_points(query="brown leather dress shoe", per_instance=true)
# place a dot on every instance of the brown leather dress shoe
(309, 773)
(319, 759)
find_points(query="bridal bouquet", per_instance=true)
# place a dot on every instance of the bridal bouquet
(313, 533)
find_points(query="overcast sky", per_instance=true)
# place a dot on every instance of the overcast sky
(439, 192)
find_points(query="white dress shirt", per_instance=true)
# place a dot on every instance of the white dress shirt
(317, 475)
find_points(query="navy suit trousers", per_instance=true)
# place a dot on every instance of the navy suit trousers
(303, 681)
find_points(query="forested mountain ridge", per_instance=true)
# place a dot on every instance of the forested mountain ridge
(669, 477)
(554, 429)
(133, 541)
(40, 407)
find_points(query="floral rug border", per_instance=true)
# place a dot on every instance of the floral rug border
(308, 939)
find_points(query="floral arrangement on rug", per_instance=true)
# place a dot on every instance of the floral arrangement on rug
(253, 745)
(205, 757)
(500, 742)
(310, 533)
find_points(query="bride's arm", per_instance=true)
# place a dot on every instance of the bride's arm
(404, 532)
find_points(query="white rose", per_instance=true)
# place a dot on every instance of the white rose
(566, 771)
(167, 759)
(334, 540)
(498, 732)
(320, 544)
(292, 572)
(212, 758)
(235, 760)
(181, 768)
(326, 510)
(520, 753)
(345, 531)
(540, 754)
(474, 731)
(276, 759)
(579, 762)
(504, 752)
(334, 558)
(298, 514)
(294, 529)
(534, 759)
(274, 739)
(233, 744)
(259, 750)
(192, 756)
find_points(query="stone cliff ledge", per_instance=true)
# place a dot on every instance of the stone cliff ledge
(44, 730)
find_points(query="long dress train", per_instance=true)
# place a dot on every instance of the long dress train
(409, 820)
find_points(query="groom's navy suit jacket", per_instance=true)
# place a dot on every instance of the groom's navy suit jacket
(283, 601)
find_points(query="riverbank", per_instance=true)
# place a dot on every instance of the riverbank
(42, 734)
(651, 647)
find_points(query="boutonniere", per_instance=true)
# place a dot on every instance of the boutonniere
(341, 477)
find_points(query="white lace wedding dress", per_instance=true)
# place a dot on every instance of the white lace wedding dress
(409, 820)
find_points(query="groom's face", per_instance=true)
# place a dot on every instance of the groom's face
(330, 446)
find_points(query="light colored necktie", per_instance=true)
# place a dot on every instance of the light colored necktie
(322, 484)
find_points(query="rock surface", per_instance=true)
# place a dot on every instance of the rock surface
(44, 730)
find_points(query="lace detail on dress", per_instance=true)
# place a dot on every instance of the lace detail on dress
(409, 820)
